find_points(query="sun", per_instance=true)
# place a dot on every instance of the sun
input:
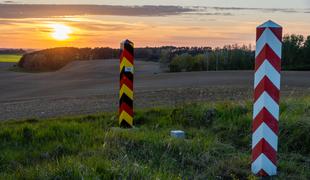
(61, 32)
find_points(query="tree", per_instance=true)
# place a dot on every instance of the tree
(292, 54)
(306, 53)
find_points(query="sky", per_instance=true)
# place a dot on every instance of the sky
(220, 3)
(102, 23)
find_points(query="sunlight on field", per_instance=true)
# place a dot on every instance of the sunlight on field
(9, 58)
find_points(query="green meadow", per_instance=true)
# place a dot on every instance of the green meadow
(9, 58)
(217, 144)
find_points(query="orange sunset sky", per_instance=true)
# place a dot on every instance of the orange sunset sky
(38, 24)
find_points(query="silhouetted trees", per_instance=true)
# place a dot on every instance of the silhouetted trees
(296, 56)
(48, 60)
(230, 57)
(296, 52)
(12, 51)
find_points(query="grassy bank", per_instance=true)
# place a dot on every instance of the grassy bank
(9, 58)
(217, 144)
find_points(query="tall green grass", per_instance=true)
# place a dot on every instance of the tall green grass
(9, 58)
(217, 144)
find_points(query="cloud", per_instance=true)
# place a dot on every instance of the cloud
(283, 10)
(107, 27)
(231, 11)
(212, 13)
(42, 11)
(9, 2)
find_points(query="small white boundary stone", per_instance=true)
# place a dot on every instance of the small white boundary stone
(177, 134)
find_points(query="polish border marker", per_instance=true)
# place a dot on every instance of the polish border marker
(266, 99)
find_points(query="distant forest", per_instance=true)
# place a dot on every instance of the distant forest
(296, 56)
(12, 51)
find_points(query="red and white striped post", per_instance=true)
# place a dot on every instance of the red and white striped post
(266, 99)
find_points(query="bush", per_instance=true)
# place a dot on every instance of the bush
(56, 58)
(48, 60)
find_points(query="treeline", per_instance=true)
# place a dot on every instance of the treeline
(296, 52)
(296, 56)
(56, 58)
(12, 51)
(228, 58)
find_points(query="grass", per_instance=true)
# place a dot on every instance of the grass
(217, 144)
(9, 58)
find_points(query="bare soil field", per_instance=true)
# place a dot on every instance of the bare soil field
(92, 86)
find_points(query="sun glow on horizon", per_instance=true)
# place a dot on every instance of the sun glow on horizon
(61, 32)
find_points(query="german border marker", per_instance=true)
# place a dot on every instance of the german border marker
(266, 99)
(126, 84)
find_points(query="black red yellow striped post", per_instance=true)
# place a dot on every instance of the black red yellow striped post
(126, 84)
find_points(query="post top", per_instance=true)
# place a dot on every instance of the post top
(127, 42)
(270, 24)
